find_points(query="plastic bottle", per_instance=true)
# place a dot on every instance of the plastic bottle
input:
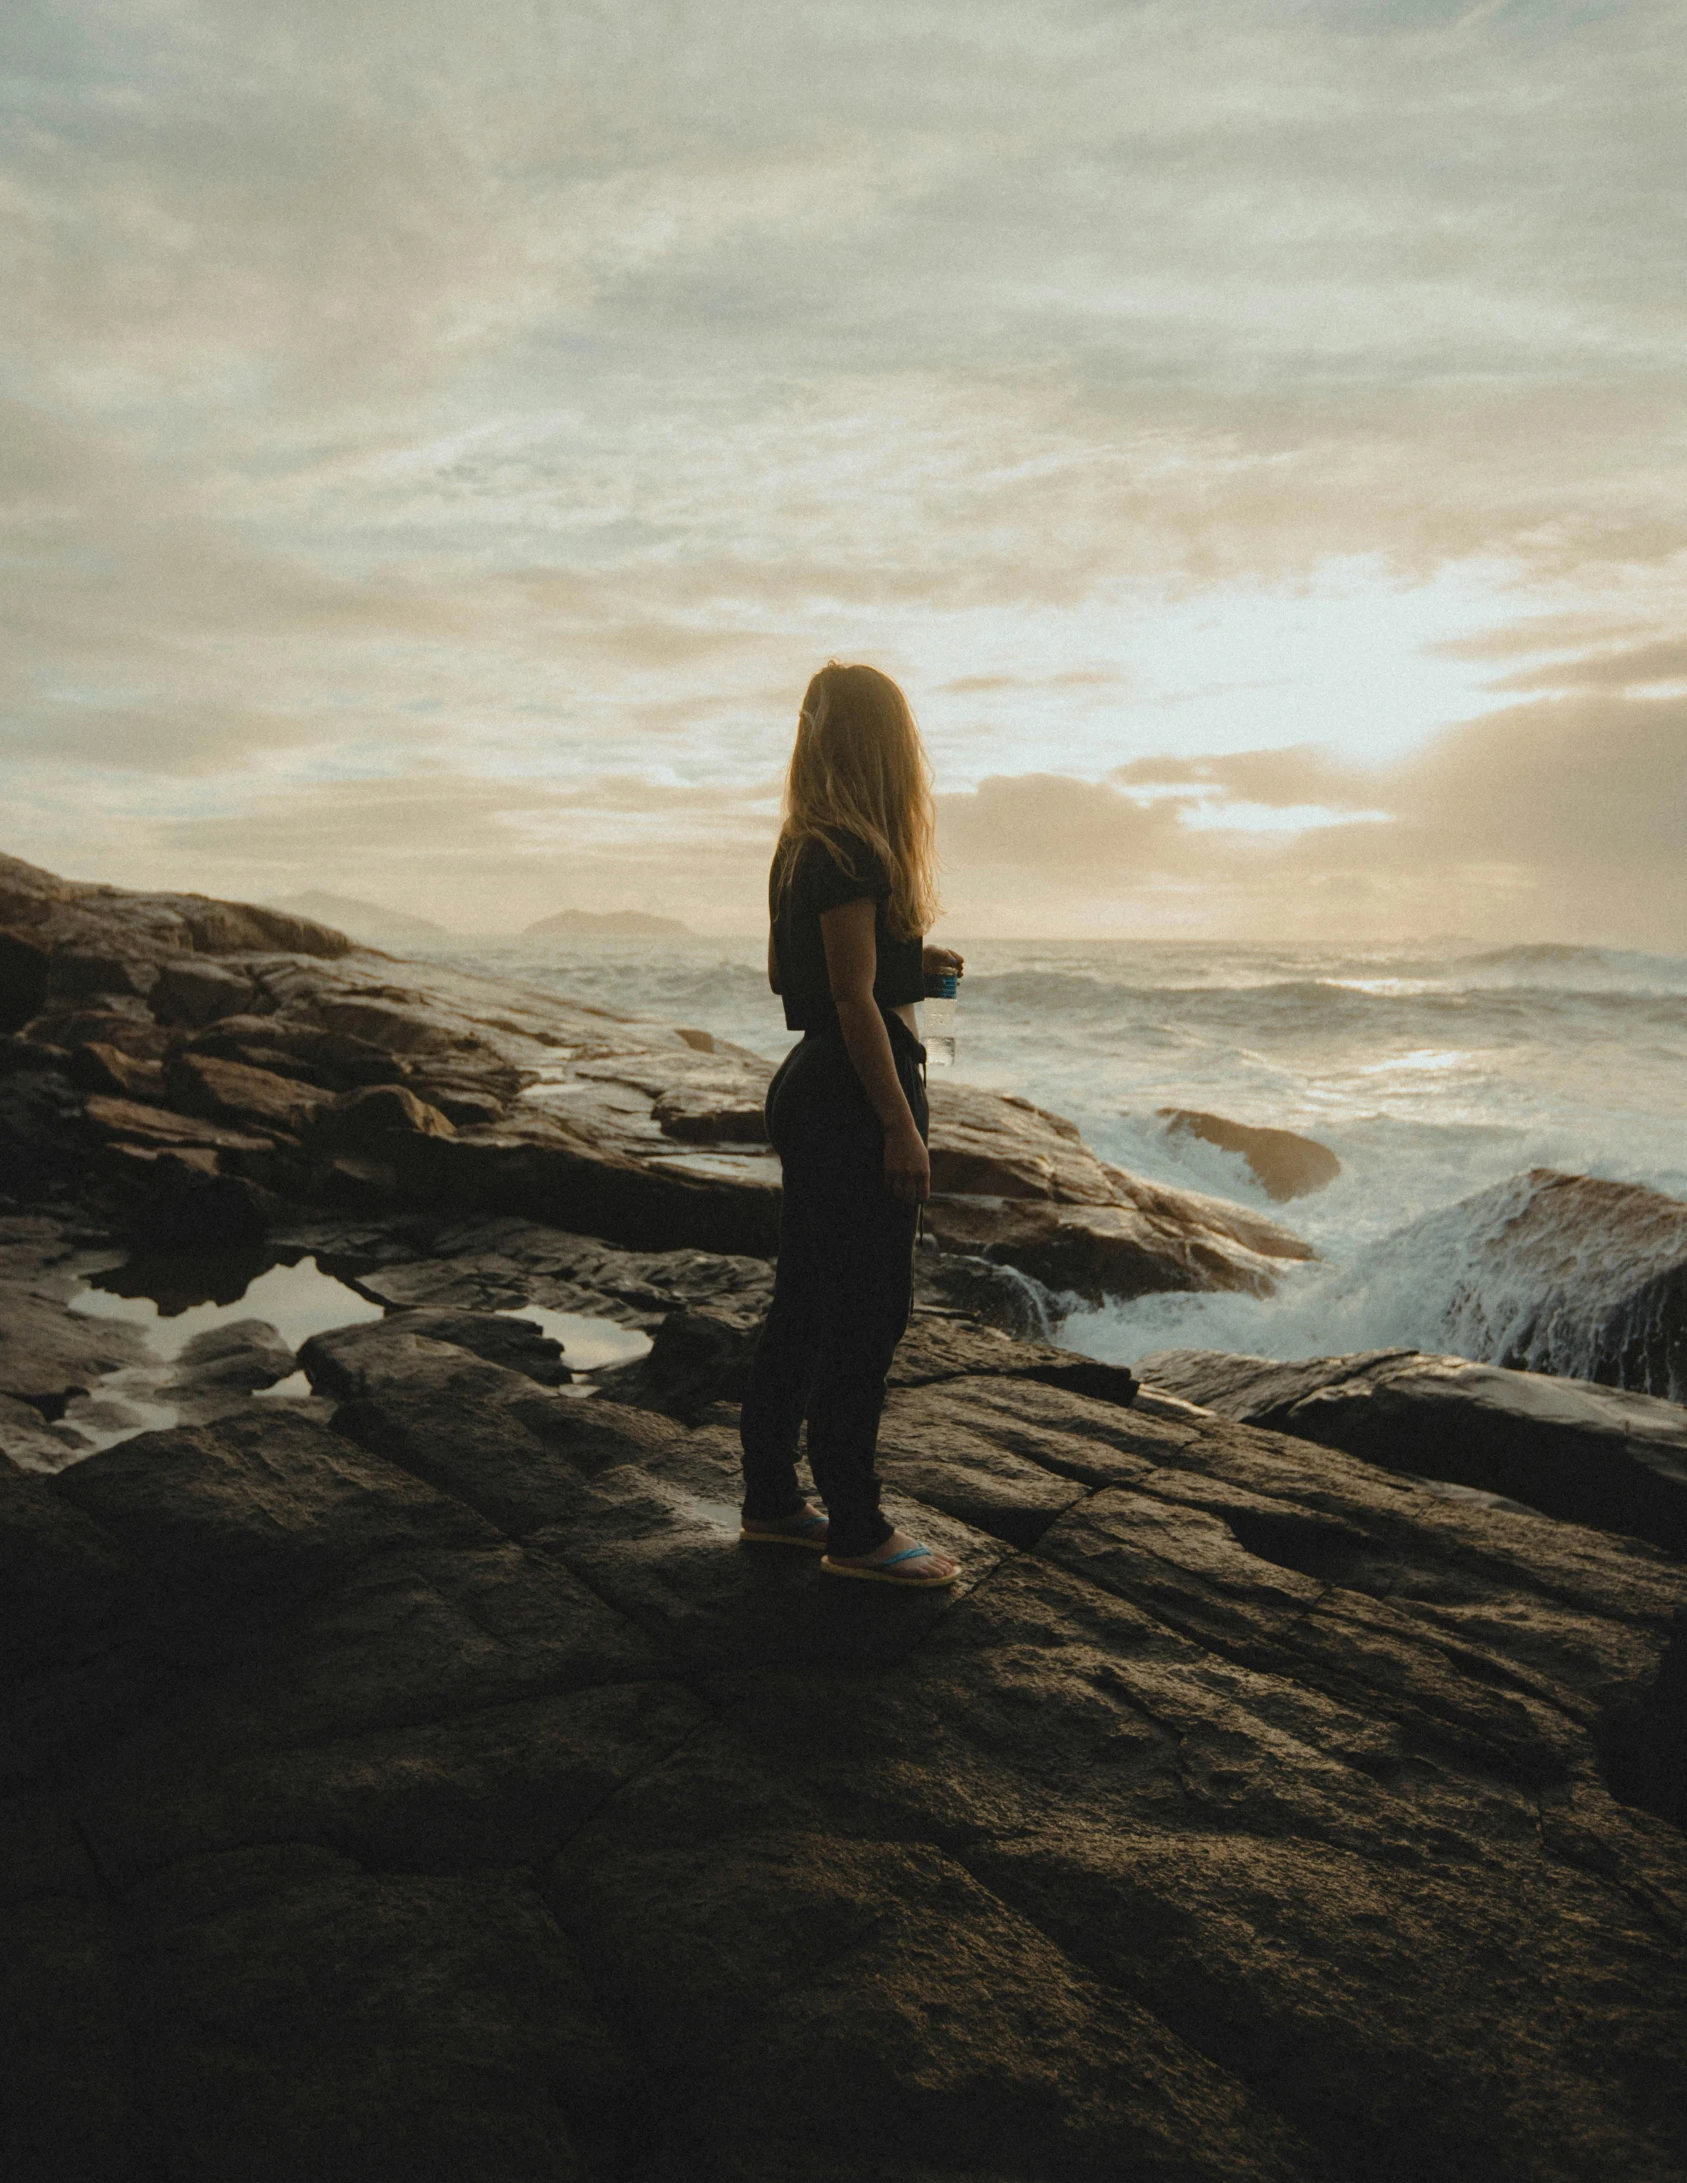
(937, 1019)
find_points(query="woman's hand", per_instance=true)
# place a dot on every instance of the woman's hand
(941, 962)
(907, 1165)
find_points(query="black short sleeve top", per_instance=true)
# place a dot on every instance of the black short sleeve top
(823, 882)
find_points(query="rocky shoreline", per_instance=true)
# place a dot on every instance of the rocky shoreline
(408, 1775)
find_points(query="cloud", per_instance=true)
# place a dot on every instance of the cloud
(1562, 819)
(525, 400)
(1630, 668)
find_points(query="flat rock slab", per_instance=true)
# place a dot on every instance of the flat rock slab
(1596, 1455)
(450, 1793)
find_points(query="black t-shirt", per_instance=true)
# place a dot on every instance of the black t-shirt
(821, 883)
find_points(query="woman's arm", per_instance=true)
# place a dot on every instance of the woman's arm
(851, 962)
(773, 963)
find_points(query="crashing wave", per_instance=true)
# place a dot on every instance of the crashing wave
(1547, 1272)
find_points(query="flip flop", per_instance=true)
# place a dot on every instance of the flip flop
(800, 1535)
(885, 1572)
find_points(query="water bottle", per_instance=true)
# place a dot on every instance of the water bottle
(937, 1019)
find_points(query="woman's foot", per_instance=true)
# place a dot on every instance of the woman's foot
(898, 1560)
(806, 1528)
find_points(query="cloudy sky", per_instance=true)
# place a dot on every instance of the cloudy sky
(440, 439)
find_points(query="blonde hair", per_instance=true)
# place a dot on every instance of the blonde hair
(860, 768)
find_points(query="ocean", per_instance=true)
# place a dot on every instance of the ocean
(1432, 1071)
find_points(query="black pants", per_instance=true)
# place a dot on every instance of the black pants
(841, 1293)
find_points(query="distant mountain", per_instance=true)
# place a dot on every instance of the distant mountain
(605, 925)
(369, 921)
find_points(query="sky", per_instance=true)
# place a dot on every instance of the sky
(438, 441)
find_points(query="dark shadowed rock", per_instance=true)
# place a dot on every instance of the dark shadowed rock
(24, 969)
(440, 2025)
(1249, 1812)
(187, 1207)
(1567, 1447)
(98, 1067)
(696, 1358)
(134, 1034)
(1283, 1164)
(192, 991)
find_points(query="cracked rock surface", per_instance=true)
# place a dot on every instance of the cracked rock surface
(428, 1784)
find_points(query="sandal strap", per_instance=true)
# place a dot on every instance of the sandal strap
(907, 1554)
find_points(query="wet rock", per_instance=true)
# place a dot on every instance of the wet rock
(160, 1129)
(370, 1117)
(24, 969)
(224, 1364)
(1566, 1447)
(27, 1442)
(1148, 1239)
(1284, 1164)
(521, 1344)
(48, 1353)
(1565, 1274)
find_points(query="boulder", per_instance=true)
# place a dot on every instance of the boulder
(242, 1097)
(1283, 1164)
(1148, 1239)
(1569, 1448)
(190, 990)
(1548, 1272)
(219, 1368)
(697, 1115)
(367, 1119)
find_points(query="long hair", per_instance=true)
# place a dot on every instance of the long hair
(860, 768)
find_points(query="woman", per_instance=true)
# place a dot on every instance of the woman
(850, 896)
